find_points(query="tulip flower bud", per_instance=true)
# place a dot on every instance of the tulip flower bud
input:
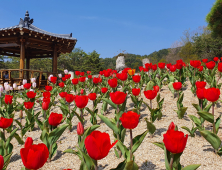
(171, 126)
(11, 88)
(22, 87)
(24, 81)
(19, 87)
(28, 142)
(82, 91)
(6, 83)
(60, 75)
(34, 84)
(66, 71)
(49, 78)
(33, 80)
(80, 129)
(14, 85)
(1, 89)
(7, 87)
(31, 90)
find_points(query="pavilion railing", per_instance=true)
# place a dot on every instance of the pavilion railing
(17, 76)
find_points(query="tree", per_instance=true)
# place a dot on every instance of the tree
(214, 18)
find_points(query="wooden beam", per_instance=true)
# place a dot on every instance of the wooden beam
(9, 45)
(22, 57)
(27, 66)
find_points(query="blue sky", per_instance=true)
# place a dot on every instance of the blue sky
(110, 26)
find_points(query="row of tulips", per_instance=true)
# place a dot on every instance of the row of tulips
(111, 88)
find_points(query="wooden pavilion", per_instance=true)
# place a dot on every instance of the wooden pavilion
(27, 41)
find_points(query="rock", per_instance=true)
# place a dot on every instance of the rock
(120, 63)
(144, 61)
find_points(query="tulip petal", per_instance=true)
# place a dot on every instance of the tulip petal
(92, 147)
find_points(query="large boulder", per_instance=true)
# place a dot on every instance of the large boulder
(120, 63)
(144, 61)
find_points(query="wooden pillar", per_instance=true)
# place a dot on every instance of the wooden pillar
(27, 66)
(22, 57)
(54, 60)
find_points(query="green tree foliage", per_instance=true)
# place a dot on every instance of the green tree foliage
(187, 53)
(214, 18)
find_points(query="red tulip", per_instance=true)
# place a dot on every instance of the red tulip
(64, 79)
(45, 105)
(8, 99)
(220, 67)
(63, 94)
(67, 76)
(61, 84)
(179, 64)
(46, 100)
(136, 91)
(173, 68)
(212, 94)
(48, 88)
(75, 81)
(92, 96)
(177, 85)
(150, 94)
(156, 88)
(200, 93)
(82, 79)
(98, 145)
(195, 63)
(88, 72)
(89, 76)
(28, 142)
(70, 98)
(27, 85)
(31, 94)
(106, 73)
(200, 84)
(28, 105)
(200, 68)
(81, 101)
(122, 76)
(161, 65)
(136, 78)
(175, 141)
(118, 97)
(113, 82)
(46, 94)
(104, 89)
(77, 73)
(148, 65)
(210, 65)
(171, 126)
(35, 156)
(80, 129)
(1, 162)
(216, 59)
(96, 80)
(55, 119)
(101, 73)
(205, 60)
(82, 73)
(154, 67)
(53, 80)
(5, 122)
(169, 65)
(130, 120)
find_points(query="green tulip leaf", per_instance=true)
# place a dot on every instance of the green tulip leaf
(170, 85)
(131, 166)
(160, 144)
(191, 167)
(10, 138)
(206, 109)
(138, 140)
(186, 128)
(87, 160)
(6, 160)
(109, 123)
(150, 85)
(197, 107)
(120, 166)
(19, 139)
(195, 120)
(150, 126)
(212, 138)
(56, 133)
(181, 112)
(217, 124)
(166, 159)
(110, 103)
(207, 116)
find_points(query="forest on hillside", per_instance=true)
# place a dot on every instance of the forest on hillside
(197, 44)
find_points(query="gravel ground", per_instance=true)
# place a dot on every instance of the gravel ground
(148, 156)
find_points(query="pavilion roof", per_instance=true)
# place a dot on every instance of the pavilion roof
(27, 24)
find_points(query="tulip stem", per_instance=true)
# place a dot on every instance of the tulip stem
(131, 144)
(117, 124)
(171, 161)
(151, 104)
(214, 129)
(95, 162)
